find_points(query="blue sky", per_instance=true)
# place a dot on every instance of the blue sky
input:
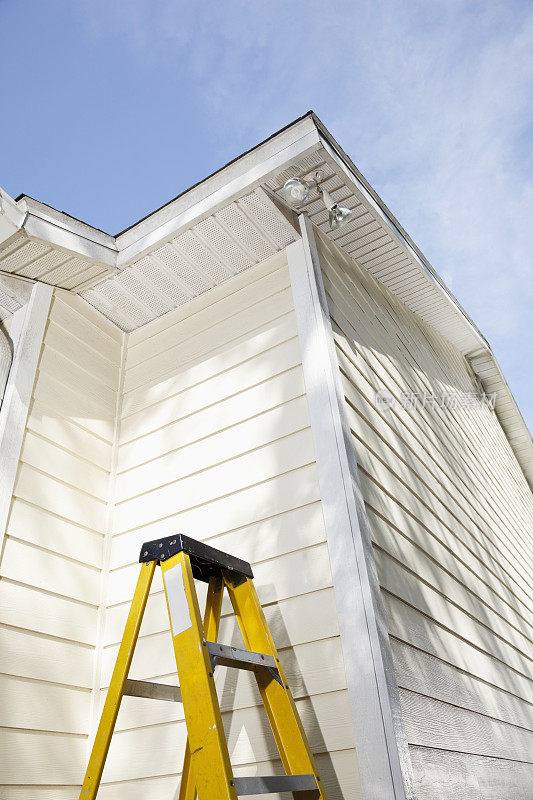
(111, 108)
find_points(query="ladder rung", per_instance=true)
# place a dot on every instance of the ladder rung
(229, 656)
(269, 784)
(154, 691)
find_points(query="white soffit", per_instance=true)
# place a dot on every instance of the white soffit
(234, 238)
(46, 263)
(375, 244)
(198, 257)
(212, 231)
(38, 243)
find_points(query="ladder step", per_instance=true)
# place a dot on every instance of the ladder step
(154, 691)
(206, 561)
(269, 784)
(229, 656)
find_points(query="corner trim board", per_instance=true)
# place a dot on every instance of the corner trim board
(383, 759)
(18, 393)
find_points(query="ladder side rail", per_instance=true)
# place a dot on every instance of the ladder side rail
(210, 762)
(115, 691)
(213, 611)
(296, 755)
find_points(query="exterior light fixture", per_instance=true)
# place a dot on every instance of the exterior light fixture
(339, 215)
(297, 191)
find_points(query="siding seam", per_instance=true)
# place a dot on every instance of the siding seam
(105, 572)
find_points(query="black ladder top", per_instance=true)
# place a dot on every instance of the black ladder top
(206, 561)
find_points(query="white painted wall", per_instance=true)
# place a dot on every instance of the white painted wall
(213, 439)
(450, 515)
(52, 556)
(215, 442)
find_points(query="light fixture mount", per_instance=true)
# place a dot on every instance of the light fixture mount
(297, 191)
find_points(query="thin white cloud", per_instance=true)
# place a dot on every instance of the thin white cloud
(432, 100)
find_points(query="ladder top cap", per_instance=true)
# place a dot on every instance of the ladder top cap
(206, 561)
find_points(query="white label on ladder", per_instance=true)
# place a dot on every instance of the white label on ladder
(180, 618)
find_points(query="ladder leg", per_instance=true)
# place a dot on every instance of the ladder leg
(210, 761)
(213, 608)
(113, 699)
(284, 719)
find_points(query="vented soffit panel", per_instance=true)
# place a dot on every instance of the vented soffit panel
(173, 271)
(214, 230)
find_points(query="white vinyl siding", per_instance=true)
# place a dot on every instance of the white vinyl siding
(450, 516)
(52, 556)
(215, 442)
(198, 423)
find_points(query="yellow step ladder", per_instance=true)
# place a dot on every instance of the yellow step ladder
(207, 771)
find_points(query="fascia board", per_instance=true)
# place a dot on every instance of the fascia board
(38, 228)
(477, 344)
(230, 183)
(241, 176)
(63, 220)
(57, 229)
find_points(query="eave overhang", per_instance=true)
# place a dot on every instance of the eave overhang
(225, 224)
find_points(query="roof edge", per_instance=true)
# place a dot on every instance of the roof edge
(39, 220)
(308, 114)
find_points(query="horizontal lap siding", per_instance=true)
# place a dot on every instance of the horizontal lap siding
(215, 442)
(52, 556)
(450, 514)
(330, 765)
(469, 775)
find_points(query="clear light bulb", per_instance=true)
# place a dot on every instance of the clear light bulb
(296, 191)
